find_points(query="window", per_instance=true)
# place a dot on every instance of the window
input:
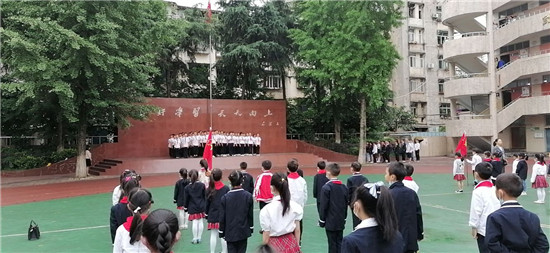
(421, 36)
(514, 10)
(412, 61)
(273, 82)
(440, 83)
(545, 78)
(442, 36)
(411, 10)
(422, 58)
(413, 109)
(543, 2)
(514, 47)
(411, 36)
(547, 120)
(420, 11)
(444, 110)
(545, 39)
(442, 63)
(417, 85)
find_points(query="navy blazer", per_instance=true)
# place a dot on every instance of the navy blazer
(354, 182)
(179, 193)
(319, 180)
(409, 215)
(370, 239)
(333, 209)
(514, 229)
(214, 205)
(521, 169)
(237, 215)
(248, 183)
(195, 198)
(498, 168)
(119, 214)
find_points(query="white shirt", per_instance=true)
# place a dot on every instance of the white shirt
(272, 219)
(484, 202)
(411, 185)
(116, 194)
(177, 142)
(476, 159)
(538, 169)
(409, 148)
(184, 142)
(298, 190)
(374, 149)
(122, 242)
(367, 223)
(458, 167)
(417, 146)
(195, 140)
(88, 154)
(515, 165)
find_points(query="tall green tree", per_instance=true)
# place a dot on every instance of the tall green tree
(346, 46)
(96, 57)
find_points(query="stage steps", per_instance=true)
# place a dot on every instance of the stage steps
(103, 166)
(156, 165)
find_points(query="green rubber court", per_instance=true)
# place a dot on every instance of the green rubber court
(81, 224)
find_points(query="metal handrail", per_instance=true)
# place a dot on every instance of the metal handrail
(471, 116)
(522, 16)
(541, 52)
(464, 35)
(462, 76)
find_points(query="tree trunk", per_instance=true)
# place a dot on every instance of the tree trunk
(81, 169)
(283, 79)
(362, 130)
(337, 130)
(60, 141)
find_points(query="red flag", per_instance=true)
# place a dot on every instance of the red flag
(462, 146)
(207, 155)
(209, 13)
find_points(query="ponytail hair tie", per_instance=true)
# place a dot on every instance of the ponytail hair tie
(374, 188)
(282, 179)
(137, 209)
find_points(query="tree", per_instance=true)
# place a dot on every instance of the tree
(96, 57)
(346, 47)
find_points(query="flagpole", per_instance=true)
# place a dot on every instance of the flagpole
(210, 77)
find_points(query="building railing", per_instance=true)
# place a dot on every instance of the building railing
(462, 76)
(470, 116)
(465, 35)
(524, 56)
(36, 140)
(511, 19)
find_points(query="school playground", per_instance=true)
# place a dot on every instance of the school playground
(74, 215)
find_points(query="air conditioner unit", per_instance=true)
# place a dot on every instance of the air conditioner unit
(436, 16)
(431, 66)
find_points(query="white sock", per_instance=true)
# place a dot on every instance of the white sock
(195, 229)
(213, 240)
(201, 228)
(185, 219)
(224, 245)
(541, 194)
(182, 217)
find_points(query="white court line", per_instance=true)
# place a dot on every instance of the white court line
(61, 230)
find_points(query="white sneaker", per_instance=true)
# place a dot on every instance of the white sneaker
(539, 202)
(524, 193)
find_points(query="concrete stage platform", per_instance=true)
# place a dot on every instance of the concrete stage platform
(156, 165)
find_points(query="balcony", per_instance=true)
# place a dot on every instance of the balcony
(467, 44)
(532, 21)
(417, 72)
(467, 85)
(415, 22)
(461, 14)
(472, 125)
(522, 106)
(531, 63)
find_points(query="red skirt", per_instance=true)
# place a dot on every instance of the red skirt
(284, 243)
(196, 216)
(213, 226)
(540, 182)
(459, 177)
(181, 208)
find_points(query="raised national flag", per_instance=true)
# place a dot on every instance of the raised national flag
(462, 146)
(209, 13)
(207, 155)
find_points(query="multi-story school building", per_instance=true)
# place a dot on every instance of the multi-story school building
(499, 83)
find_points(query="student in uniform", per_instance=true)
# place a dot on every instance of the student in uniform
(538, 178)
(195, 198)
(128, 236)
(498, 166)
(249, 144)
(262, 189)
(214, 195)
(484, 202)
(408, 181)
(476, 159)
(333, 213)
(171, 146)
(378, 230)
(177, 149)
(195, 144)
(117, 191)
(407, 207)
(231, 144)
(179, 197)
(248, 180)
(120, 211)
(185, 145)
(527, 235)
(257, 144)
(160, 231)
(319, 180)
(280, 219)
(236, 215)
(298, 188)
(356, 180)
(521, 171)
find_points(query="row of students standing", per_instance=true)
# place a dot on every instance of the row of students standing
(403, 150)
(188, 145)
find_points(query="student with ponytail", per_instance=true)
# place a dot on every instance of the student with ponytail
(120, 211)
(236, 215)
(378, 230)
(160, 231)
(280, 219)
(195, 204)
(538, 179)
(129, 233)
(216, 190)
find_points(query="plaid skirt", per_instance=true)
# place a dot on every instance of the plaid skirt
(540, 182)
(284, 243)
(459, 177)
(196, 216)
(213, 226)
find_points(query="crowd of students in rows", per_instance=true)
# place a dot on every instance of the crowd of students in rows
(402, 150)
(385, 219)
(189, 145)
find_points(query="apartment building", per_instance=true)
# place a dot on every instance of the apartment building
(499, 83)
(417, 81)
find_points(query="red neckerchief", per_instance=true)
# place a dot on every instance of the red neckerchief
(336, 181)
(497, 159)
(124, 200)
(129, 220)
(218, 185)
(486, 183)
(293, 175)
(408, 178)
(541, 163)
(322, 172)
(487, 160)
